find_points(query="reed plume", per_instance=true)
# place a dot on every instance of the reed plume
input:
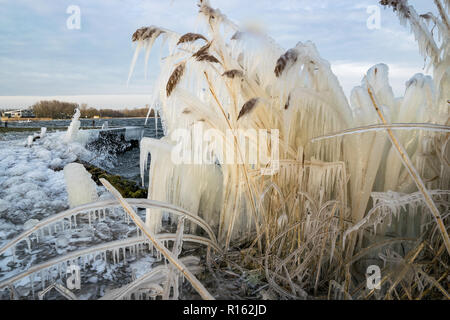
(175, 78)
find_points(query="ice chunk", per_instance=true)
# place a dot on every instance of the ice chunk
(74, 126)
(56, 163)
(19, 169)
(134, 133)
(79, 185)
(30, 224)
(44, 154)
(3, 205)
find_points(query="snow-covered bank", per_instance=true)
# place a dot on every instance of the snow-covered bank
(31, 181)
(32, 188)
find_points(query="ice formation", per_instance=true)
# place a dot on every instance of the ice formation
(74, 126)
(204, 199)
(32, 182)
(43, 132)
(321, 193)
(81, 189)
(210, 82)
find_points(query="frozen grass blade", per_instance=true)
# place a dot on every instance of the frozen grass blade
(414, 174)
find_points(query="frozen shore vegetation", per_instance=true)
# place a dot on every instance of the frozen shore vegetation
(361, 181)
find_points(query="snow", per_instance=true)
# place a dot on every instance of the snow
(142, 266)
(32, 182)
(33, 187)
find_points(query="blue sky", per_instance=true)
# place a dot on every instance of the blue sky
(40, 56)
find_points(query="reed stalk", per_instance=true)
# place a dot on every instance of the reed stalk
(413, 173)
(198, 286)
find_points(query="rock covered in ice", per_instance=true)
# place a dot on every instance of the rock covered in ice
(17, 216)
(62, 242)
(30, 224)
(80, 187)
(93, 279)
(118, 230)
(103, 232)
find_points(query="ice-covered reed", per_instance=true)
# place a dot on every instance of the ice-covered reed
(350, 190)
(311, 219)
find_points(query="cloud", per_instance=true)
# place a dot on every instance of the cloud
(39, 56)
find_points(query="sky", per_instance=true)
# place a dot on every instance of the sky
(41, 58)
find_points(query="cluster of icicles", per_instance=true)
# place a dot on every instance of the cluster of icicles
(302, 98)
(390, 205)
(48, 272)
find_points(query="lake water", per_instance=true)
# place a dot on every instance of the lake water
(125, 165)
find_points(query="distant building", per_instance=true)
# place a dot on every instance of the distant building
(21, 113)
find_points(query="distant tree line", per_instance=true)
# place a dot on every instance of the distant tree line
(65, 110)
(54, 109)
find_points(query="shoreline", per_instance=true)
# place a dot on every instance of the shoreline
(24, 119)
(24, 129)
(4, 119)
(29, 129)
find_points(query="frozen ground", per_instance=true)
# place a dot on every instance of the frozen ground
(32, 188)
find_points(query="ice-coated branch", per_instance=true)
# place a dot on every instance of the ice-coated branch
(413, 172)
(382, 127)
(198, 286)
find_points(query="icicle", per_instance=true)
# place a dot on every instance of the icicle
(32, 284)
(333, 245)
(158, 256)
(136, 54)
(42, 279)
(27, 240)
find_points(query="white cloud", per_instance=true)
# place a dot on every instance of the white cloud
(39, 56)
